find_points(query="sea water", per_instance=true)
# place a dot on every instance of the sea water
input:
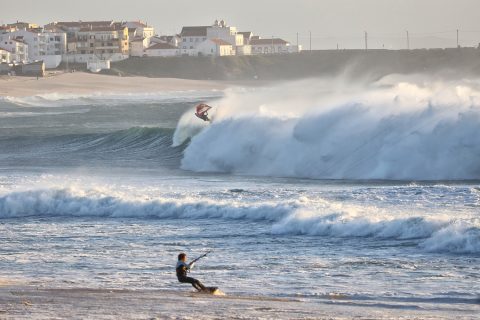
(307, 190)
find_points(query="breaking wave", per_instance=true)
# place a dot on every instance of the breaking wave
(431, 234)
(393, 129)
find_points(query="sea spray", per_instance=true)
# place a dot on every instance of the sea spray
(386, 130)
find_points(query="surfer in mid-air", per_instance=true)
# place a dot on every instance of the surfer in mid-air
(201, 111)
(183, 267)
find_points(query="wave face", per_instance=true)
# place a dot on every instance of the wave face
(133, 130)
(393, 129)
(134, 146)
(432, 233)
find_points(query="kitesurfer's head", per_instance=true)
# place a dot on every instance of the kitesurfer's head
(182, 257)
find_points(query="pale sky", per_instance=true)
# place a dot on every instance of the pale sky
(431, 23)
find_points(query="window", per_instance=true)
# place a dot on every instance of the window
(82, 51)
(91, 45)
(57, 38)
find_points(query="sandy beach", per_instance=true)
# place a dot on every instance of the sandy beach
(86, 83)
(26, 302)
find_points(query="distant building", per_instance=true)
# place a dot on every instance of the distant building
(23, 25)
(138, 46)
(17, 48)
(162, 50)
(99, 43)
(142, 30)
(5, 56)
(271, 46)
(140, 35)
(191, 38)
(247, 35)
(175, 40)
(216, 47)
(194, 37)
(46, 46)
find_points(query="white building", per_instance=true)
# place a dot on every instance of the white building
(220, 30)
(271, 46)
(194, 37)
(142, 30)
(162, 50)
(17, 48)
(99, 43)
(191, 38)
(215, 47)
(138, 46)
(43, 46)
(175, 40)
(5, 56)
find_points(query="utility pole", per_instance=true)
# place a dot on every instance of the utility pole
(458, 44)
(408, 41)
(297, 44)
(273, 48)
(310, 40)
(366, 41)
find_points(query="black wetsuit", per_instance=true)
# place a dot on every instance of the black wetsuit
(182, 269)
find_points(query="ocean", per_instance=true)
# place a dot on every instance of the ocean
(367, 194)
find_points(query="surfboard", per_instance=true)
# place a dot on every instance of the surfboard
(211, 290)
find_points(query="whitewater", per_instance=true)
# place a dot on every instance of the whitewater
(309, 190)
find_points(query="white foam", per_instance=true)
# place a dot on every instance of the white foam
(394, 129)
(433, 233)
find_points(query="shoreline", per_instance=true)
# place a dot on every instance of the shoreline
(24, 301)
(87, 83)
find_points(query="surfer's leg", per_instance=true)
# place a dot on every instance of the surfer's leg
(194, 282)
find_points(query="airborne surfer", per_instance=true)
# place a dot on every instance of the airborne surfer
(183, 267)
(201, 111)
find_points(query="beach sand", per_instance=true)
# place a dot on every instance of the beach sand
(30, 302)
(87, 83)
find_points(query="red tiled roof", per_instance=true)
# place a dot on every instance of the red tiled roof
(194, 32)
(84, 23)
(100, 28)
(161, 46)
(220, 42)
(267, 41)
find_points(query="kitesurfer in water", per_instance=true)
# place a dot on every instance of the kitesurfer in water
(182, 268)
(202, 111)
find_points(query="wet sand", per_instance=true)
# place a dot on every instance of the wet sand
(31, 302)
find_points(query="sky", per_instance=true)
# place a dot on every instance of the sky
(430, 23)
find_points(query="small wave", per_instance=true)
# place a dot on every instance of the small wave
(431, 234)
(67, 203)
(434, 234)
(65, 100)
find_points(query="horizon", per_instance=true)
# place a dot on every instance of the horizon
(433, 24)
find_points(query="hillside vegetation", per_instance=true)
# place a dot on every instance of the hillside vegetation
(457, 62)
